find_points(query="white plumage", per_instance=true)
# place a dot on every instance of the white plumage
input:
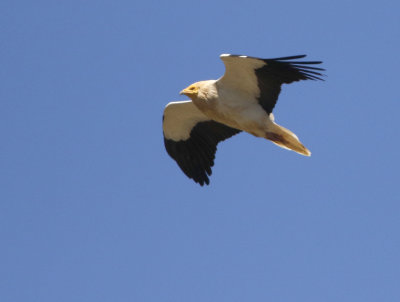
(241, 100)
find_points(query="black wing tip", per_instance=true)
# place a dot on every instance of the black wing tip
(295, 57)
(195, 156)
(262, 59)
(310, 74)
(287, 58)
(203, 181)
(295, 62)
(302, 67)
(201, 176)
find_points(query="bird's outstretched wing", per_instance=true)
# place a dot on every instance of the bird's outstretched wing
(191, 139)
(261, 79)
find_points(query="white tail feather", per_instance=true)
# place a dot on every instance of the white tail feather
(286, 139)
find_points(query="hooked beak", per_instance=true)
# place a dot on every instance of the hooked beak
(189, 91)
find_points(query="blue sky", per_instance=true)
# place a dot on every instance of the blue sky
(93, 209)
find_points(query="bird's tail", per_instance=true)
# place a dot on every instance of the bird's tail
(286, 139)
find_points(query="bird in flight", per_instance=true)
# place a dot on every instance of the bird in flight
(241, 100)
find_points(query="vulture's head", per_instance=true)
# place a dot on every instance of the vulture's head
(197, 90)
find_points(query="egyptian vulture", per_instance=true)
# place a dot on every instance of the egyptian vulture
(241, 100)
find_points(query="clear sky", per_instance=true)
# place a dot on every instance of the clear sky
(93, 209)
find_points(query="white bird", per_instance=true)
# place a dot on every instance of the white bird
(241, 100)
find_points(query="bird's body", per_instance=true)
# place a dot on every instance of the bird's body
(232, 109)
(241, 100)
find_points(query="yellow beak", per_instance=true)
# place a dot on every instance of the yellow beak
(189, 91)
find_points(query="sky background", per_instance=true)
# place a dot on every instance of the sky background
(93, 209)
